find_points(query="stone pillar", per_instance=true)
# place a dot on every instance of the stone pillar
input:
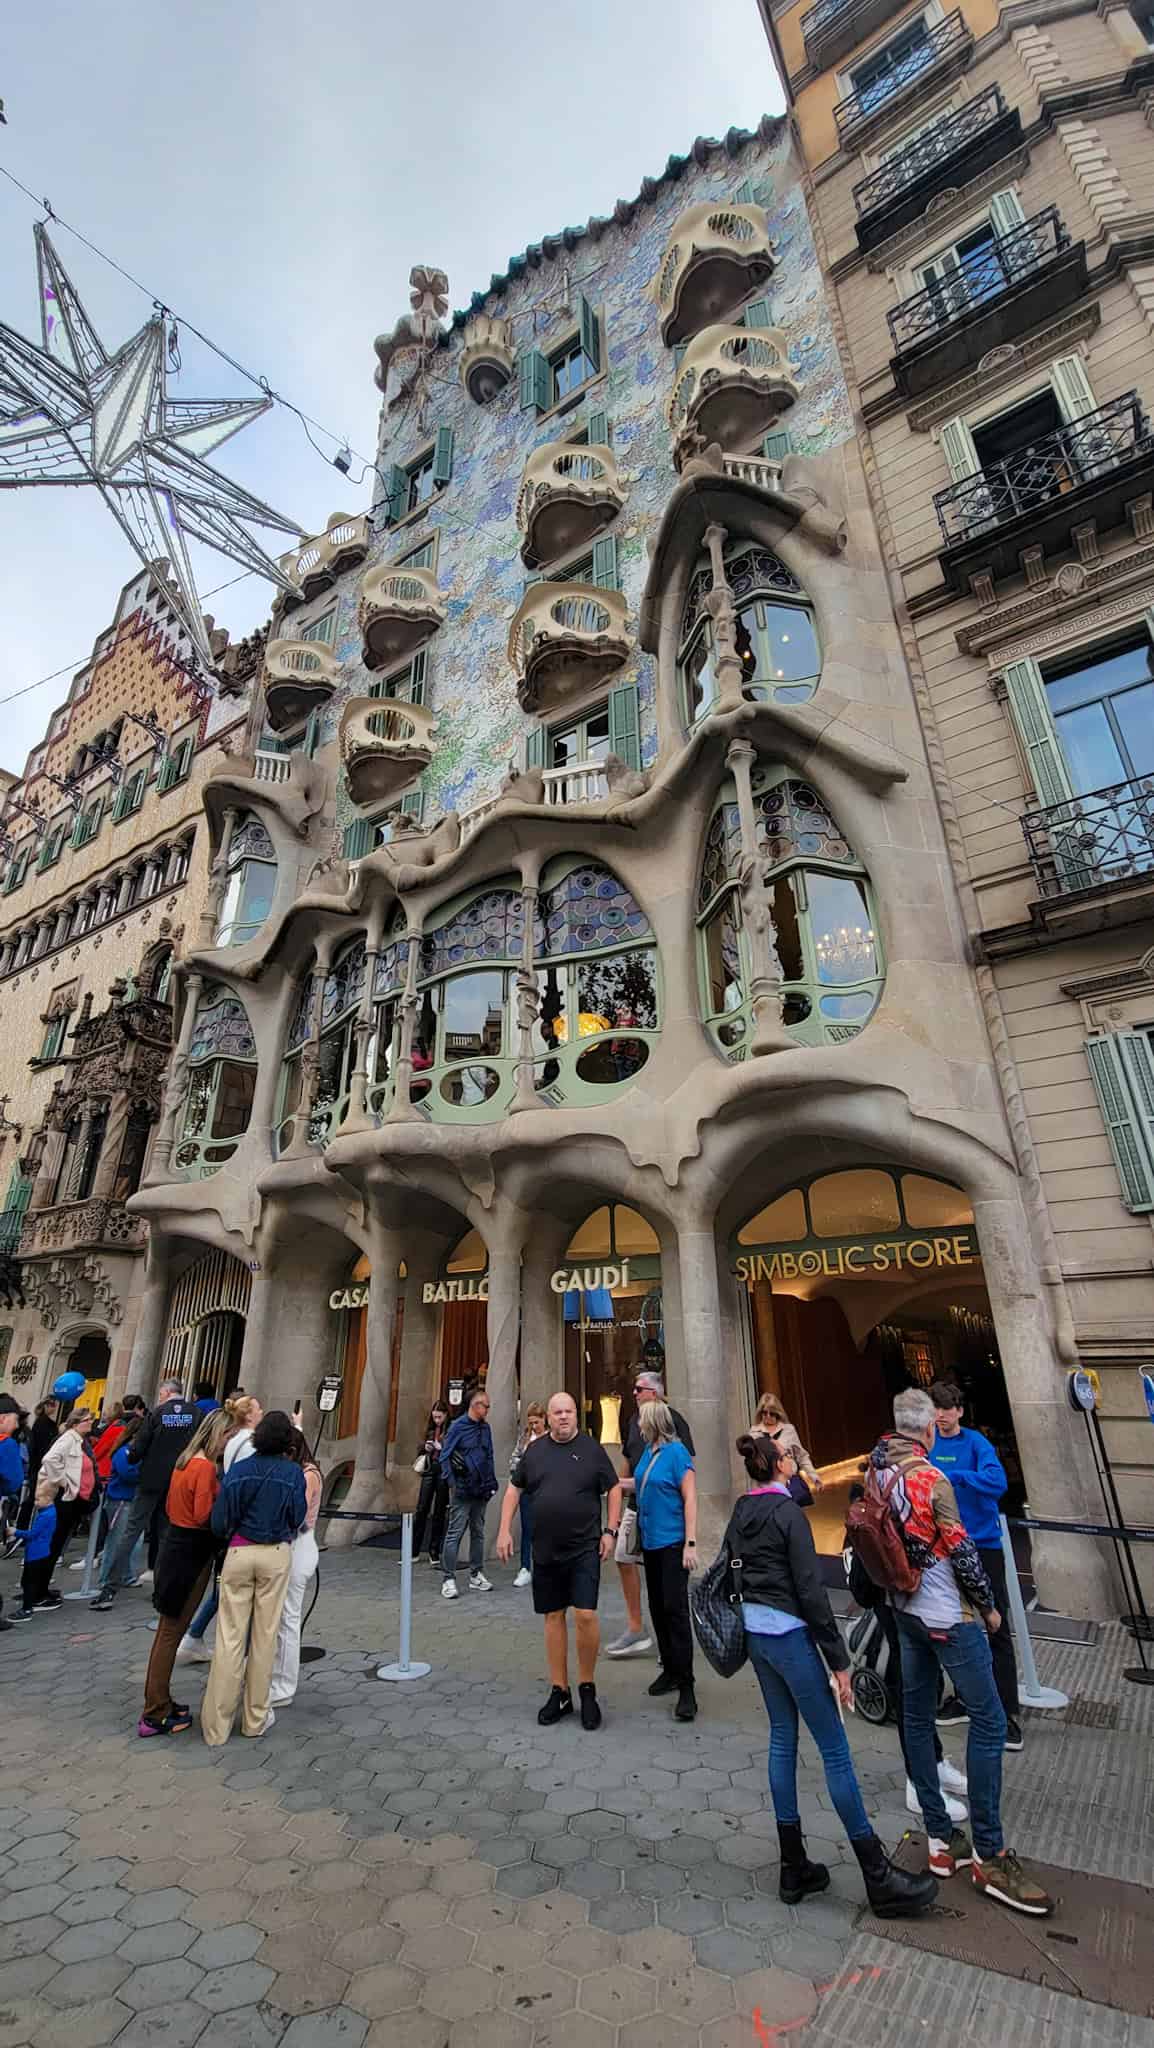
(258, 1357)
(504, 1330)
(766, 977)
(705, 1409)
(528, 1003)
(542, 1311)
(357, 1117)
(160, 1159)
(720, 606)
(1071, 1571)
(217, 878)
(127, 883)
(418, 1351)
(402, 1110)
(151, 1324)
(368, 1484)
(310, 1053)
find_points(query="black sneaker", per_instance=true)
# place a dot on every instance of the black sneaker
(24, 1614)
(661, 1685)
(558, 1704)
(951, 1714)
(590, 1711)
(686, 1708)
(51, 1599)
(104, 1600)
(1013, 1736)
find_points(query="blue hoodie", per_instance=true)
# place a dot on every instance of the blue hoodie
(13, 1465)
(974, 1470)
(124, 1478)
(37, 1537)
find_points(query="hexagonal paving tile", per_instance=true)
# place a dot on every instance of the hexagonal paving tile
(159, 1944)
(337, 2028)
(148, 1909)
(616, 1995)
(98, 1979)
(538, 1994)
(156, 1984)
(582, 1950)
(383, 1990)
(312, 1989)
(176, 2026)
(89, 2026)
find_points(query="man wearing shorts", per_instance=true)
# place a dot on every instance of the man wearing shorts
(564, 1475)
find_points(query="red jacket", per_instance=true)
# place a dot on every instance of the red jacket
(104, 1446)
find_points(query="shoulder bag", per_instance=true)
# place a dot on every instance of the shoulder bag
(715, 1606)
(628, 1548)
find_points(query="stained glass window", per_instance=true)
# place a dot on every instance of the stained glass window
(221, 1029)
(392, 962)
(793, 823)
(250, 841)
(343, 983)
(490, 927)
(302, 1013)
(587, 911)
(776, 640)
(722, 852)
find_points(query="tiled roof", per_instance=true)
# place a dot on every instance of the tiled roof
(552, 246)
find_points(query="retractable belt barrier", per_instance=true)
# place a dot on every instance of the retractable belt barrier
(404, 1668)
(1137, 1622)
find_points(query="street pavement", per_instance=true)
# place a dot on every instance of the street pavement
(421, 1866)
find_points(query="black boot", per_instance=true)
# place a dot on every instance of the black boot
(686, 1708)
(890, 1891)
(799, 1876)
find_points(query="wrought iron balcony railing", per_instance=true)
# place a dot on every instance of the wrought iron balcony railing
(1087, 841)
(934, 147)
(1035, 478)
(951, 38)
(987, 275)
(822, 16)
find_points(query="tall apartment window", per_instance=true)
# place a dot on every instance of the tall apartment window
(421, 483)
(571, 369)
(322, 629)
(894, 65)
(584, 739)
(53, 1040)
(1102, 703)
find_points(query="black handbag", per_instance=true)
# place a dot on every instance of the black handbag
(715, 1607)
(799, 1491)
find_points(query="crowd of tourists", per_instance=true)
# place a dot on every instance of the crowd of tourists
(222, 1501)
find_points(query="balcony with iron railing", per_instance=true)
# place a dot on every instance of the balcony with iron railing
(316, 566)
(299, 676)
(832, 27)
(564, 638)
(1082, 474)
(732, 386)
(1097, 842)
(715, 256)
(941, 54)
(401, 608)
(953, 151)
(385, 745)
(998, 292)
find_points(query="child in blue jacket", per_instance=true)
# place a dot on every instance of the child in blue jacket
(38, 1561)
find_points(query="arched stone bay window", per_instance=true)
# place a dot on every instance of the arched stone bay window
(776, 636)
(341, 1003)
(250, 883)
(597, 980)
(822, 908)
(222, 1080)
(465, 1041)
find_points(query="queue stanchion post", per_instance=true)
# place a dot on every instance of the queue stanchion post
(88, 1585)
(405, 1668)
(1031, 1692)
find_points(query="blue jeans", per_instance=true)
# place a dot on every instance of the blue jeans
(794, 1681)
(198, 1626)
(464, 1514)
(963, 1652)
(526, 1534)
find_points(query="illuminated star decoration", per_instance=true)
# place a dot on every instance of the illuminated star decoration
(70, 413)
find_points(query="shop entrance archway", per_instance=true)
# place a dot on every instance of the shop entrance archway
(858, 1283)
(85, 1351)
(613, 1318)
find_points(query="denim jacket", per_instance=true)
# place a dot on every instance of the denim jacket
(261, 1499)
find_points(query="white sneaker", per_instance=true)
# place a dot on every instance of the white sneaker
(954, 1807)
(951, 1779)
(523, 1577)
(142, 1579)
(192, 1650)
(478, 1583)
(270, 1722)
(449, 1590)
(630, 1645)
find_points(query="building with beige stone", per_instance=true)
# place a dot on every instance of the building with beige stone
(982, 196)
(103, 878)
(588, 977)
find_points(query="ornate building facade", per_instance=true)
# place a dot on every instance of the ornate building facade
(582, 977)
(105, 868)
(979, 184)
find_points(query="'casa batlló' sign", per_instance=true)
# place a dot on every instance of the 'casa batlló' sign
(871, 1257)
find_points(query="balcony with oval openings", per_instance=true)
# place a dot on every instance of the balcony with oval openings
(316, 566)
(716, 255)
(565, 637)
(569, 494)
(384, 747)
(732, 385)
(401, 608)
(299, 677)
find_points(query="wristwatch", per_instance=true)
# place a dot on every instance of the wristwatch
(611, 1532)
(691, 1543)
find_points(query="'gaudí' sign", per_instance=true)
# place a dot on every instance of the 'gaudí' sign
(871, 1257)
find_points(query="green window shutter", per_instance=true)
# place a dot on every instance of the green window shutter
(397, 493)
(418, 676)
(164, 775)
(536, 382)
(1006, 215)
(776, 447)
(413, 805)
(48, 852)
(1123, 1075)
(443, 456)
(535, 746)
(759, 314)
(590, 332)
(1030, 710)
(625, 724)
(1072, 388)
(605, 562)
(312, 738)
(19, 1192)
(358, 838)
(959, 450)
(744, 195)
(122, 806)
(598, 429)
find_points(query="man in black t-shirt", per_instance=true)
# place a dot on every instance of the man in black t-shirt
(564, 1474)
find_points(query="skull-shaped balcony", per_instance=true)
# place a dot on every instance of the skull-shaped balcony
(715, 256)
(569, 494)
(565, 637)
(385, 746)
(486, 357)
(317, 565)
(732, 386)
(299, 676)
(400, 610)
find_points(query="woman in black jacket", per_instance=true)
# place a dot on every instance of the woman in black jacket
(788, 1622)
(433, 1503)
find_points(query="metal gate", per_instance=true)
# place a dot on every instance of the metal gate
(216, 1287)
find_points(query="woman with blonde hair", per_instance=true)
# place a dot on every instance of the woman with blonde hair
(665, 1494)
(184, 1566)
(536, 1423)
(772, 1420)
(241, 1414)
(68, 1465)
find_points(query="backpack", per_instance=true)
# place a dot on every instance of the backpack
(873, 1534)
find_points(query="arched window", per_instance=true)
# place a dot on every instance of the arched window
(597, 986)
(464, 1041)
(776, 638)
(822, 909)
(222, 1081)
(251, 883)
(340, 1002)
(388, 983)
(130, 1165)
(156, 975)
(80, 1156)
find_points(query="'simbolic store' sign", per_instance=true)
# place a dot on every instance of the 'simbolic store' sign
(872, 1256)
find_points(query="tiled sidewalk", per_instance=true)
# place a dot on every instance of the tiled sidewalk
(412, 1865)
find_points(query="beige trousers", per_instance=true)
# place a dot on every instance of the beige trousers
(252, 1590)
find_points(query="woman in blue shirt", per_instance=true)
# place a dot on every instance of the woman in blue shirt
(665, 1493)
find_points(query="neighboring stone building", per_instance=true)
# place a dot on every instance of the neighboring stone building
(590, 983)
(103, 879)
(980, 184)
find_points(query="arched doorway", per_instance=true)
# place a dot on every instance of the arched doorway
(206, 1323)
(610, 1282)
(859, 1282)
(352, 1336)
(87, 1353)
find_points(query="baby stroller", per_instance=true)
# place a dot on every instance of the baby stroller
(870, 1657)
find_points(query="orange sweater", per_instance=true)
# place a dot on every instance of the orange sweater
(191, 1492)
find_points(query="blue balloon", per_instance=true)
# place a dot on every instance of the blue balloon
(69, 1386)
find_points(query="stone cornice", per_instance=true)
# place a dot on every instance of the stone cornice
(1004, 365)
(1051, 616)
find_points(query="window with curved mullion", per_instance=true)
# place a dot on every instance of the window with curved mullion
(221, 1084)
(250, 885)
(776, 636)
(464, 1038)
(599, 1006)
(821, 904)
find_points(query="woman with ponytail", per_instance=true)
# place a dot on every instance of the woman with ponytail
(241, 1413)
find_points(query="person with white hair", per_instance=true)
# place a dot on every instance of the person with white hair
(635, 1640)
(946, 1624)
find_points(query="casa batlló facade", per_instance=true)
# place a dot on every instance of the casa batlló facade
(585, 978)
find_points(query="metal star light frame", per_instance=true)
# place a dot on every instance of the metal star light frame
(71, 413)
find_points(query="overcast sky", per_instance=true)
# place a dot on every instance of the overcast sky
(273, 172)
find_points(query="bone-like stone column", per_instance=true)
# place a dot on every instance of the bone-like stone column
(706, 1410)
(151, 1323)
(766, 980)
(504, 1330)
(368, 1488)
